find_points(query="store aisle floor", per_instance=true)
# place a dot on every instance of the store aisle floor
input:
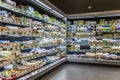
(72, 71)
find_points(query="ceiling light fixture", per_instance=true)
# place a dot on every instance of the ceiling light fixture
(90, 7)
(48, 8)
(43, 4)
(90, 4)
(57, 13)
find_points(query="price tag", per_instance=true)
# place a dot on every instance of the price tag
(40, 70)
(26, 77)
(50, 64)
(36, 72)
(47, 66)
(21, 79)
(58, 61)
(30, 75)
(33, 73)
(55, 63)
(43, 69)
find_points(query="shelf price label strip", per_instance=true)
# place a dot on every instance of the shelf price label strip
(41, 70)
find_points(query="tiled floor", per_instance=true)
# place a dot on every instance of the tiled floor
(72, 71)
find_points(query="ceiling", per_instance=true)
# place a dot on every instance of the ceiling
(81, 6)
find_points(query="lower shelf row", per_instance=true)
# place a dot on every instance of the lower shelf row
(78, 58)
(20, 71)
(94, 61)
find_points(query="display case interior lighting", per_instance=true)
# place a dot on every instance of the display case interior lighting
(57, 13)
(44, 5)
(48, 8)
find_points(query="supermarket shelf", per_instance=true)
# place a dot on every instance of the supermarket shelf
(4, 64)
(94, 61)
(25, 50)
(80, 37)
(16, 37)
(55, 25)
(16, 12)
(89, 37)
(79, 50)
(81, 44)
(42, 71)
(47, 30)
(90, 33)
(6, 23)
(108, 31)
(43, 56)
(13, 38)
(20, 14)
(101, 37)
(75, 52)
(46, 47)
(49, 47)
(63, 28)
(20, 35)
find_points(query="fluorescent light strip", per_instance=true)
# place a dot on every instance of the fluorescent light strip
(57, 13)
(40, 5)
(47, 8)
(43, 4)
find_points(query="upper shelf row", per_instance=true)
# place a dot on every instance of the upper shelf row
(27, 13)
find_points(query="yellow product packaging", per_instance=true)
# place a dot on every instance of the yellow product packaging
(70, 47)
(80, 23)
(113, 28)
